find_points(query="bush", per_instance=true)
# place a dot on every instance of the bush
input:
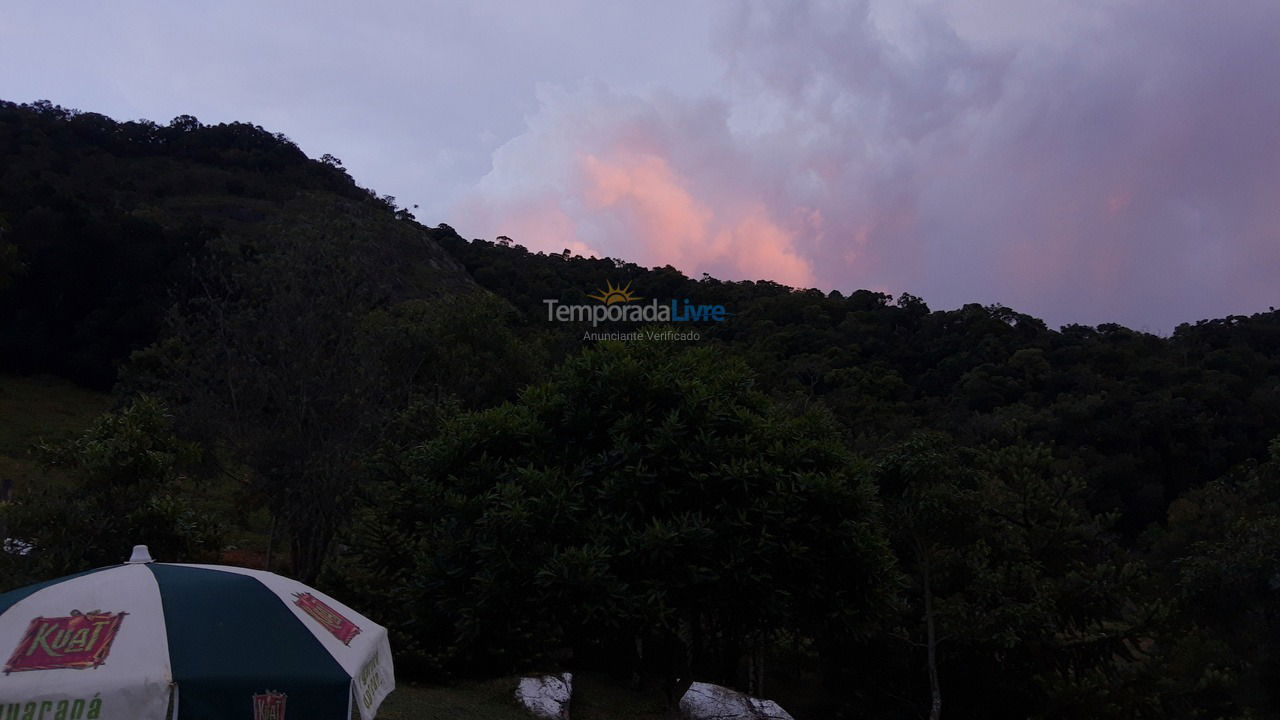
(126, 488)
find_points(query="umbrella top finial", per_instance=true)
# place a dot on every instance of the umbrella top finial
(141, 555)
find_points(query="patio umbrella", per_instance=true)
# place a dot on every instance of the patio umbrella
(150, 641)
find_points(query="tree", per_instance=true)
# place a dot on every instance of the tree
(1219, 554)
(302, 342)
(273, 360)
(185, 124)
(128, 485)
(1019, 602)
(10, 263)
(647, 496)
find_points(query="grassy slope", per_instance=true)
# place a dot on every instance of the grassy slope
(40, 409)
(594, 698)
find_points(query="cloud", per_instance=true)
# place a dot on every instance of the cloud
(1087, 163)
(639, 178)
(1081, 160)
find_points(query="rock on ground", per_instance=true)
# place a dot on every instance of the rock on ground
(704, 701)
(546, 696)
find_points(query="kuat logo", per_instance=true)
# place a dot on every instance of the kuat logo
(269, 705)
(80, 640)
(331, 619)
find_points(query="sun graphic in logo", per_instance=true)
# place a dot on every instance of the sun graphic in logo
(611, 294)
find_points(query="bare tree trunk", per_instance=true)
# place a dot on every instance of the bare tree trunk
(676, 688)
(684, 652)
(310, 545)
(271, 541)
(6, 490)
(755, 671)
(758, 679)
(637, 663)
(935, 689)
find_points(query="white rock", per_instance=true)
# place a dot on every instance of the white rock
(17, 546)
(546, 696)
(704, 701)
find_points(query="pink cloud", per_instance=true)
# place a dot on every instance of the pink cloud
(763, 249)
(642, 190)
(671, 225)
(1106, 163)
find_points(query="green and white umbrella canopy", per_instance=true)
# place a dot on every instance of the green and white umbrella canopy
(150, 641)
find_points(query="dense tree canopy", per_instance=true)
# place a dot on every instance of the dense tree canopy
(900, 511)
(1138, 417)
(640, 494)
(100, 223)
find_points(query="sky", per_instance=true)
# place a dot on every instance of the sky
(1080, 161)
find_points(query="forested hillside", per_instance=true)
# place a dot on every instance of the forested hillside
(1140, 417)
(102, 222)
(854, 503)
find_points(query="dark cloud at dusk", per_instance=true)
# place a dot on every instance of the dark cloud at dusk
(1083, 162)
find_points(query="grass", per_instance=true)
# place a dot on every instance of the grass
(470, 700)
(40, 409)
(595, 697)
(45, 409)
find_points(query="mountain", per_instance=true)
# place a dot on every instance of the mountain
(1094, 509)
(102, 222)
